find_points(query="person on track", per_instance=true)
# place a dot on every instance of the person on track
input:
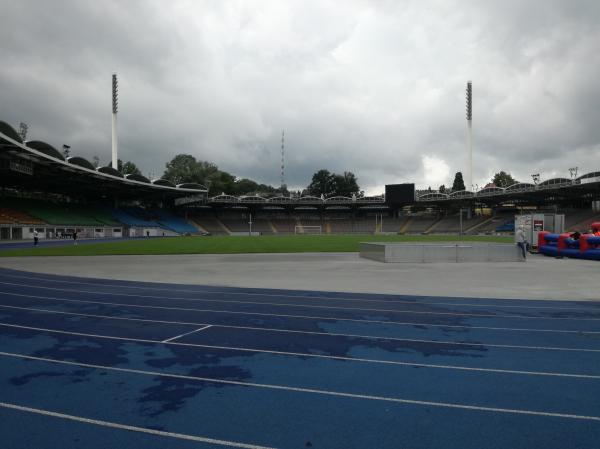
(522, 242)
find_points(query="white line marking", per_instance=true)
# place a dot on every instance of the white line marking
(306, 354)
(313, 297)
(279, 315)
(310, 390)
(310, 306)
(267, 329)
(114, 425)
(408, 312)
(187, 333)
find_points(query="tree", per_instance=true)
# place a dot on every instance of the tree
(346, 184)
(128, 168)
(503, 179)
(245, 187)
(442, 189)
(184, 168)
(458, 183)
(322, 184)
(331, 184)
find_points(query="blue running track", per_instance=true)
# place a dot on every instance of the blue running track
(112, 364)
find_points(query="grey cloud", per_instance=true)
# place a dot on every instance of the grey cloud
(370, 87)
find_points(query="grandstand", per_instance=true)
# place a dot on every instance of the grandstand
(38, 192)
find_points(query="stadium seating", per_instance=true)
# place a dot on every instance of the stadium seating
(451, 224)
(210, 224)
(420, 224)
(580, 219)
(128, 218)
(57, 214)
(12, 216)
(173, 222)
(284, 225)
(493, 223)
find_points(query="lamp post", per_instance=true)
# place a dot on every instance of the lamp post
(573, 171)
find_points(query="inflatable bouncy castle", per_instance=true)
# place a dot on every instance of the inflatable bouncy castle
(587, 246)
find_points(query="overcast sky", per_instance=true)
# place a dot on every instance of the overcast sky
(372, 87)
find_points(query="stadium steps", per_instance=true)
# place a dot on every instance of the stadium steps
(478, 225)
(431, 228)
(404, 226)
(197, 225)
(225, 229)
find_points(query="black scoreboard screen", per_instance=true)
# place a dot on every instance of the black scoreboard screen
(399, 194)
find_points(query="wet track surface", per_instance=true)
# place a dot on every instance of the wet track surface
(230, 367)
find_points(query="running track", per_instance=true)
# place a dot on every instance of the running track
(100, 363)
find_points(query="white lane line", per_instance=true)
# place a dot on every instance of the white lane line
(408, 312)
(395, 323)
(313, 297)
(311, 355)
(114, 425)
(328, 334)
(309, 390)
(187, 333)
(280, 315)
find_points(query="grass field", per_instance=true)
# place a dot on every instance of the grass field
(237, 245)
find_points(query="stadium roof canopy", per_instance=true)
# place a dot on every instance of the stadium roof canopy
(38, 166)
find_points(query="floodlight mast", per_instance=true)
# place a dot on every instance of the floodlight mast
(115, 101)
(282, 161)
(469, 168)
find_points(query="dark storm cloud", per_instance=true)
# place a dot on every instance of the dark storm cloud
(376, 88)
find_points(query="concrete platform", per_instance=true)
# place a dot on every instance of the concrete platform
(439, 252)
(539, 278)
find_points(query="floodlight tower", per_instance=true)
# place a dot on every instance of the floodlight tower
(282, 160)
(115, 100)
(469, 170)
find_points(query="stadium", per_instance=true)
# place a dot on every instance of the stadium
(38, 194)
(154, 269)
(201, 309)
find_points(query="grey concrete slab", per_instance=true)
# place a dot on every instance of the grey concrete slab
(538, 278)
(393, 252)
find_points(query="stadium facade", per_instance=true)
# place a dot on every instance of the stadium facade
(111, 204)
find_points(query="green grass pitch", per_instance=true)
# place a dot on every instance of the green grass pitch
(237, 245)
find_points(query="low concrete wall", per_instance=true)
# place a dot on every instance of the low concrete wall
(440, 252)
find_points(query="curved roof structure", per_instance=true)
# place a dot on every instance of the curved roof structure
(224, 199)
(191, 185)
(588, 176)
(76, 160)
(137, 177)
(519, 186)
(45, 148)
(339, 199)
(163, 182)
(554, 181)
(309, 199)
(38, 165)
(10, 132)
(110, 171)
(461, 194)
(281, 199)
(252, 199)
(490, 191)
(433, 195)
